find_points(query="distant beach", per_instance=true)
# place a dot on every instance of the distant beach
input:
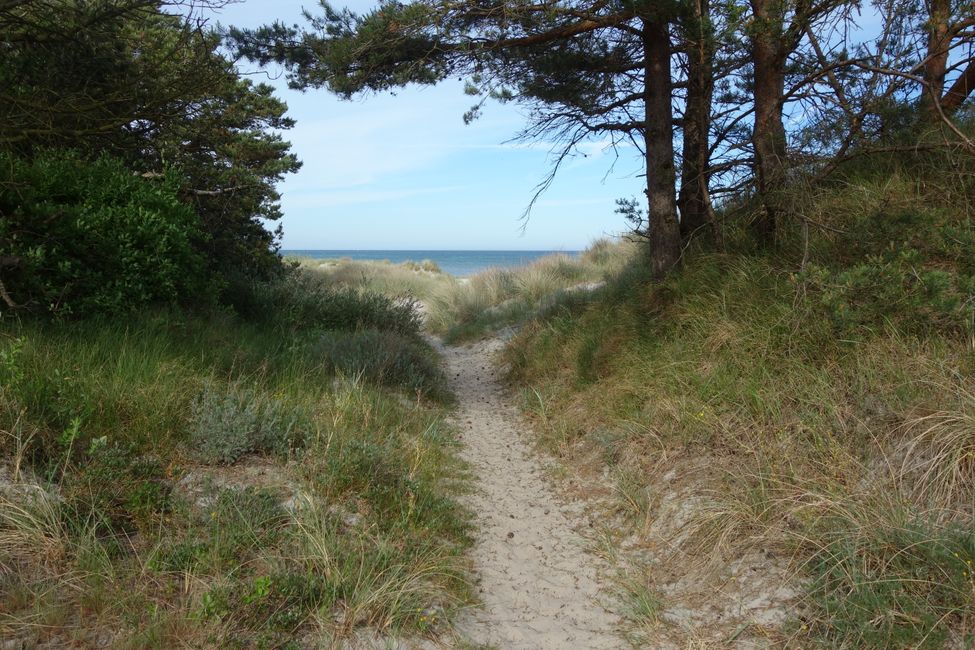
(457, 263)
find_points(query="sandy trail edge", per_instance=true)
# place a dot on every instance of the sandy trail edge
(539, 588)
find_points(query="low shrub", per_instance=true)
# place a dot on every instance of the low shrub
(117, 488)
(229, 421)
(239, 524)
(903, 583)
(898, 291)
(910, 266)
(383, 358)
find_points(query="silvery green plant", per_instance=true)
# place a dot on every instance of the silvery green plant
(229, 421)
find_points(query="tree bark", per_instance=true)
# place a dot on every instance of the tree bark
(936, 62)
(658, 137)
(694, 200)
(768, 134)
(960, 90)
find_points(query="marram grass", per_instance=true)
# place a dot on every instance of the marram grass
(332, 502)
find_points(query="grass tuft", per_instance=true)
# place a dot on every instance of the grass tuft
(215, 480)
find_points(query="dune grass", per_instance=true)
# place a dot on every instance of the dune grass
(825, 399)
(461, 309)
(180, 480)
(418, 279)
(499, 298)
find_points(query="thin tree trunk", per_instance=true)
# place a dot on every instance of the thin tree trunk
(694, 200)
(768, 134)
(659, 142)
(936, 62)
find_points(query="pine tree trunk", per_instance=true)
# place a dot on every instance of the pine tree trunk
(768, 134)
(694, 200)
(936, 63)
(658, 137)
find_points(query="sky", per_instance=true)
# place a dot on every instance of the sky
(403, 171)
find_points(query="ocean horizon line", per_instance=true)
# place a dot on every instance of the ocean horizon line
(458, 262)
(433, 250)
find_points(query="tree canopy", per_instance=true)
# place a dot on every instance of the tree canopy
(145, 84)
(719, 99)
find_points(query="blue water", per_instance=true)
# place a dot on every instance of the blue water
(458, 263)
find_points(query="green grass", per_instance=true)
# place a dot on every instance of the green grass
(333, 499)
(833, 403)
(460, 309)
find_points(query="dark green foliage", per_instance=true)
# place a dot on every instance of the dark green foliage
(137, 81)
(937, 235)
(911, 269)
(280, 602)
(89, 237)
(99, 76)
(116, 488)
(350, 53)
(382, 357)
(369, 468)
(237, 525)
(240, 523)
(230, 172)
(900, 291)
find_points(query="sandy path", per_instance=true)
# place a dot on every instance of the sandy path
(540, 589)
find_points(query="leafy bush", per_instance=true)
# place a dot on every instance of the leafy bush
(899, 291)
(279, 603)
(384, 358)
(372, 471)
(241, 522)
(227, 422)
(117, 487)
(235, 527)
(90, 237)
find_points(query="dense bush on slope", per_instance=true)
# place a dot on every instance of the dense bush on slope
(145, 86)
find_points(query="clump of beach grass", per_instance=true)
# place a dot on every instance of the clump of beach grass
(497, 298)
(194, 480)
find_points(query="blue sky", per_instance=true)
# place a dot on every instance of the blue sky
(405, 172)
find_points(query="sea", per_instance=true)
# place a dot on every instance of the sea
(458, 263)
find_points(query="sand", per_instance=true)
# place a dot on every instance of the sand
(539, 587)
